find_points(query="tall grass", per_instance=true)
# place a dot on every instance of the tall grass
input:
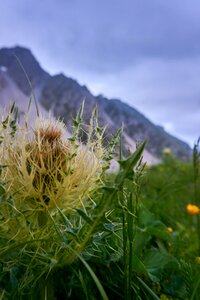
(124, 238)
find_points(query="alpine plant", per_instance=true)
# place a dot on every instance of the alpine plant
(45, 170)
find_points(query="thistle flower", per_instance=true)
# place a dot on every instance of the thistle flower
(46, 170)
(192, 209)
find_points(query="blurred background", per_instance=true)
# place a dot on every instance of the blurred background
(146, 53)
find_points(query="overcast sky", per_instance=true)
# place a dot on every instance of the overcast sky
(145, 52)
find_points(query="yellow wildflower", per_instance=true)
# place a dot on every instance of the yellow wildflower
(197, 260)
(192, 209)
(170, 229)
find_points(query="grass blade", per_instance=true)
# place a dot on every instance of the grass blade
(96, 280)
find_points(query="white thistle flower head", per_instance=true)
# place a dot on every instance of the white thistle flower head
(45, 170)
(49, 129)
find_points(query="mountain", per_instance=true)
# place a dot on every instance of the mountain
(63, 95)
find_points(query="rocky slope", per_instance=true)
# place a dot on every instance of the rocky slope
(10, 92)
(63, 96)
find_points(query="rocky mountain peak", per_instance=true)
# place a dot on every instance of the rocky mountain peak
(63, 96)
(15, 60)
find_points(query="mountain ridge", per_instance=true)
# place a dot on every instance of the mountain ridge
(63, 95)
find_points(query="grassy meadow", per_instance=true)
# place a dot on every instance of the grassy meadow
(71, 230)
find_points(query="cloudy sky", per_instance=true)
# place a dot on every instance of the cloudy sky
(145, 52)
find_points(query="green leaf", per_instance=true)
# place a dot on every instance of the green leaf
(155, 262)
(151, 292)
(2, 191)
(5, 122)
(141, 239)
(110, 226)
(138, 265)
(96, 280)
(145, 217)
(12, 107)
(159, 230)
(80, 113)
(84, 216)
(126, 166)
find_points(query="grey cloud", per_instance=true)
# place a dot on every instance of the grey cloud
(108, 36)
(145, 52)
(168, 93)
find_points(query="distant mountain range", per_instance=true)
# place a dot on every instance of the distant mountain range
(63, 96)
